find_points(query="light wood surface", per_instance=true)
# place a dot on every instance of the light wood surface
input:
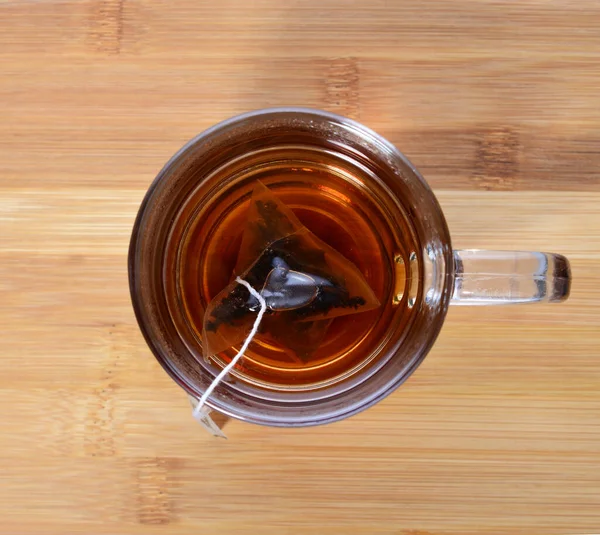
(497, 103)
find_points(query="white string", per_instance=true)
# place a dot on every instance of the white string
(240, 354)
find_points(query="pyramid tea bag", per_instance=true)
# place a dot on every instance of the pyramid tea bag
(304, 282)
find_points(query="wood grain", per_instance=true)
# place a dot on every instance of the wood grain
(496, 102)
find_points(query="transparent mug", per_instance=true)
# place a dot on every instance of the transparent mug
(430, 279)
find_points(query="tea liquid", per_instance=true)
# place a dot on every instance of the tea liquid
(338, 199)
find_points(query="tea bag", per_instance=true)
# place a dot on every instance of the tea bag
(303, 281)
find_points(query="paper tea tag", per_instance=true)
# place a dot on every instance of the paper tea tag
(202, 416)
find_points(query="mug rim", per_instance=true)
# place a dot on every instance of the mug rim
(363, 131)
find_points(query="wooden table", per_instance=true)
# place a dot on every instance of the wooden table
(497, 103)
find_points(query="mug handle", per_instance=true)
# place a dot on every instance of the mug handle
(507, 277)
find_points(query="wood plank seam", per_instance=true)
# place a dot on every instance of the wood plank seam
(106, 27)
(497, 155)
(153, 501)
(100, 421)
(342, 84)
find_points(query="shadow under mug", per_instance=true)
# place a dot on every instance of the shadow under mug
(445, 276)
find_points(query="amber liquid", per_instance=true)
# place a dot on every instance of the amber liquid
(337, 199)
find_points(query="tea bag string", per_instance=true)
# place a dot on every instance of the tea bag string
(240, 354)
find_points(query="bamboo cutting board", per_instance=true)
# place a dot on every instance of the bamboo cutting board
(497, 103)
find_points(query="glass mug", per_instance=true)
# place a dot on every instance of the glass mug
(358, 193)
